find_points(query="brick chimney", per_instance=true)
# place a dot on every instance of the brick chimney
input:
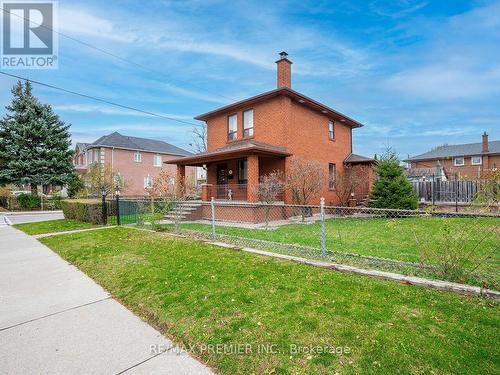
(284, 71)
(485, 142)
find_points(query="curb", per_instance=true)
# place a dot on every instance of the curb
(20, 213)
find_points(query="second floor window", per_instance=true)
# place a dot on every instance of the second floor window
(459, 162)
(332, 176)
(157, 160)
(232, 127)
(137, 157)
(476, 160)
(331, 130)
(248, 123)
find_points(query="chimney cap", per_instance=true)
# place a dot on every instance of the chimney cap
(283, 57)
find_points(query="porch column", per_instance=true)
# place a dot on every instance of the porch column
(252, 177)
(180, 181)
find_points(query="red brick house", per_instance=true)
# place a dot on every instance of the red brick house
(80, 158)
(258, 135)
(456, 162)
(136, 161)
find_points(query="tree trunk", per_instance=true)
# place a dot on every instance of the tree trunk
(34, 189)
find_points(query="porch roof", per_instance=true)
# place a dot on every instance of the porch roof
(231, 151)
(358, 159)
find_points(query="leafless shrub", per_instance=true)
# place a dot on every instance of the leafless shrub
(487, 199)
(270, 188)
(457, 249)
(352, 181)
(305, 179)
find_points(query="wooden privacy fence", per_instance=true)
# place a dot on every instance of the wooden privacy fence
(446, 191)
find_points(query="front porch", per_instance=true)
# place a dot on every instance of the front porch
(234, 171)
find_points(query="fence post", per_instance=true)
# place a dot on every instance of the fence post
(212, 204)
(117, 208)
(432, 190)
(323, 229)
(104, 209)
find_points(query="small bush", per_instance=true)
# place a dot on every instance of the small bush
(29, 201)
(54, 202)
(86, 210)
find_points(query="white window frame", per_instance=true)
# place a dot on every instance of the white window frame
(155, 158)
(332, 177)
(248, 125)
(476, 156)
(331, 130)
(148, 182)
(232, 135)
(137, 157)
(459, 164)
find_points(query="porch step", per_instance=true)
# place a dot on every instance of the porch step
(182, 211)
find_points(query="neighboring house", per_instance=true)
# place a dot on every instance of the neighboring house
(136, 161)
(456, 162)
(258, 135)
(80, 158)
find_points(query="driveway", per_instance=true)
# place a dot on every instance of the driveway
(31, 217)
(54, 319)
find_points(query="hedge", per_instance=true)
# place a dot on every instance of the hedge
(87, 210)
(30, 202)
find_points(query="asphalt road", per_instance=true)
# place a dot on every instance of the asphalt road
(19, 218)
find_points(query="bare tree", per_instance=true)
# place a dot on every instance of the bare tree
(163, 185)
(99, 176)
(305, 179)
(269, 189)
(353, 180)
(200, 138)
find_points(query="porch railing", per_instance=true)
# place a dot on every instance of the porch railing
(236, 192)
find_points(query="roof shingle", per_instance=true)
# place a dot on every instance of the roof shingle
(135, 143)
(469, 149)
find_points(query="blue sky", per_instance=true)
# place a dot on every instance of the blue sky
(417, 73)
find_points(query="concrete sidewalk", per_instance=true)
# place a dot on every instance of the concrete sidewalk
(54, 319)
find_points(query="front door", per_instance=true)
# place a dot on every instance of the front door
(221, 181)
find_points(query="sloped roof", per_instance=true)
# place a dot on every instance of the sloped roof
(468, 149)
(118, 140)
(295, 95)
(230, 150)
(354, 158)
(82, 146)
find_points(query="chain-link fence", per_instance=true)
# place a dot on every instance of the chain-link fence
(459, 247)
(456, 247)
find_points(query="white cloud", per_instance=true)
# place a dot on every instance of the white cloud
(179, 35)
(90, 108)
(445, 82)
(81, 22)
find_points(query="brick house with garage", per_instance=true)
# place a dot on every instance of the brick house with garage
(261, 134)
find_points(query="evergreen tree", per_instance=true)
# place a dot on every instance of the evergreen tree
(34, 142)
(392, 189)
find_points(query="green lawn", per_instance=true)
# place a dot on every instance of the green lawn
(381, 237)
(201, 294)
(404, 239)
(52, 226)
